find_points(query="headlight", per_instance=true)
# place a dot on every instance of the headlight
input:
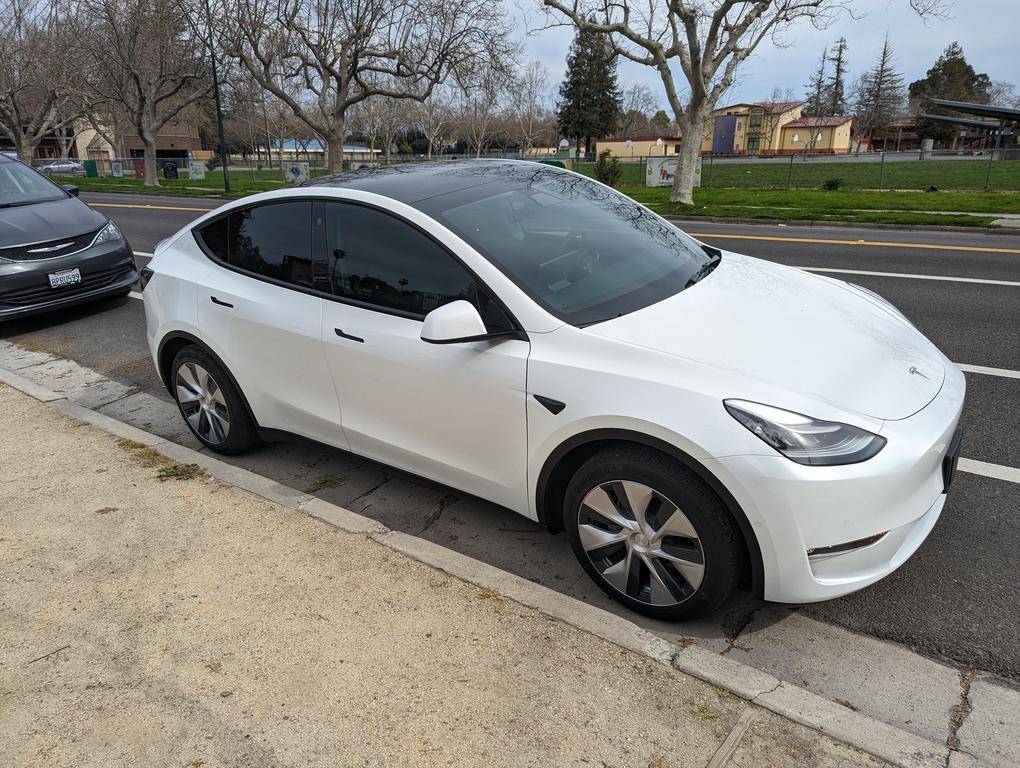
(803, 439)
(108, 234)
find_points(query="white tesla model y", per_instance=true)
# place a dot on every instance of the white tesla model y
(689, 417)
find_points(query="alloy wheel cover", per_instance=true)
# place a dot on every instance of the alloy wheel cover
(642, 543)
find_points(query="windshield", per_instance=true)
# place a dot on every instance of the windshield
(20, 185)
(584, 252)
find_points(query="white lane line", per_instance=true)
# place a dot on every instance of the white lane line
(945, 278)
(135, 295)
(144, 253)
(995, 471)
(1004, 372)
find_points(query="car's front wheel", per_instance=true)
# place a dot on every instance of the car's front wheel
(210, 403)
(651, 534)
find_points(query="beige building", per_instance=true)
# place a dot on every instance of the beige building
(639, 146)
(824, 135)
(749, 128)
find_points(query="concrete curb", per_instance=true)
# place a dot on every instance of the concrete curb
(877, 738)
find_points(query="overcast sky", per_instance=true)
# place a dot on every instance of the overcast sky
(987, 30)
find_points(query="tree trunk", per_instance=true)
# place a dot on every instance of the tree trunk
(692, 128)
(151, 176)
(23, 148)
(334, 154)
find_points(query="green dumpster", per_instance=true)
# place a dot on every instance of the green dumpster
(90, 169)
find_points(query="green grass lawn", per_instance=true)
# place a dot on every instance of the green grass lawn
(780, 173)
(860, 207)
(848, 204)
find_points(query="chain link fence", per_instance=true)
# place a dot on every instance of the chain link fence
(990, 170)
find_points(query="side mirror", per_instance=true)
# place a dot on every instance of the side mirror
(452, 323)
(71, 189)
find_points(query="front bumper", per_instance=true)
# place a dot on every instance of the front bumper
(106, 270)
(795, 508)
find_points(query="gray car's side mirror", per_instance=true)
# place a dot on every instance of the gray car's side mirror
(455, 322)
(71, 190)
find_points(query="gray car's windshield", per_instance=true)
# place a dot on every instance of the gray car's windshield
(20, 185)
(584, 252)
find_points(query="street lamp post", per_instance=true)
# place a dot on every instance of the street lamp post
(224, 157)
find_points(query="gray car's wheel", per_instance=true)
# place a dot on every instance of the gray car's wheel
(210, 404)
(651, 534)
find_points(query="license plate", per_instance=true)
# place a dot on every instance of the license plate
(64, 277)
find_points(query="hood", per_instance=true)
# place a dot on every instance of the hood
(793, 330)
(48, 220)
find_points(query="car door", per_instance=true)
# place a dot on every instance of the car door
(451, 412)
(259, 311)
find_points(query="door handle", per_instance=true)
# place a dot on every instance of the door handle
(221, 303)
(343, 335)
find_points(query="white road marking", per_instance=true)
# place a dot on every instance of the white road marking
(144, 253)
(1004, 372)
(945, 278)
(135, 295)
(995, 471)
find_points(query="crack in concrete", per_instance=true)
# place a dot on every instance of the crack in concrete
(370, 491)
(447, 500)
(773, 689)
(731, 640)
(959, 711)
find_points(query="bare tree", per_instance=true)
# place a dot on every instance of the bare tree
(530, 112)
(434, 118)
(341, 53)
(637, 106)
(393, 119)
(706, 41)
(40, 75)
(145, 60)
(479, 106)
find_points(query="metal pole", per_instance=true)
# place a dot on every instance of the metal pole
(988, 173)
(711, 167)
(881, 172)
(224, 157)
(789, 182)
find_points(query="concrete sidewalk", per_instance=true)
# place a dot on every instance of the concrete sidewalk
(152, 615)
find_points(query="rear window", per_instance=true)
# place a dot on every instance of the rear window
(273, 241)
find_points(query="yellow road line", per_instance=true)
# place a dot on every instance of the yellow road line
(875, 243)
(149, 207)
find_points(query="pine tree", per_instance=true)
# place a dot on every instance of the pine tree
(951, 77)
(879, 95)
(816, 87)
(835, 96)
(589, 95)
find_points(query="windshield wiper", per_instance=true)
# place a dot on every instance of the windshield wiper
(704, 269)
(17, 203)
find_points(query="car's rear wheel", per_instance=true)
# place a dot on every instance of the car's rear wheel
(210, 403)
(651, 534)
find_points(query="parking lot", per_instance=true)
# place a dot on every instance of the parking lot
(955, 600)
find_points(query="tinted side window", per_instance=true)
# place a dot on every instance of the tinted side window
(214, 236)
(272, 240)
(378, 259)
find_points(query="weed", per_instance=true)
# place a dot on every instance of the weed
(178, 471)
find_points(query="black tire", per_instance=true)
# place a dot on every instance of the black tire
(618, 468)
(240, 434)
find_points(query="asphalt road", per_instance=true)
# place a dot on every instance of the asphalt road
(958, 598)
